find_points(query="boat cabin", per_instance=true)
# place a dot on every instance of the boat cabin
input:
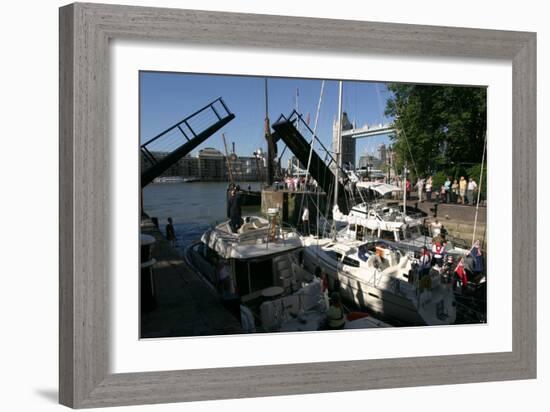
(258, 257)
(398, 233)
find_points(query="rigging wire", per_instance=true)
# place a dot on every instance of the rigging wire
(327, 211)
(479, 190)
(312, 143)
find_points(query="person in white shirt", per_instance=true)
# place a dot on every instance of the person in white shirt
(429, 186)
(305, 221)
(436, 228)
(420, 187)
(472, 187)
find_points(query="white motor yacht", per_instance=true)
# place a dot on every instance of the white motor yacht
(256, 271)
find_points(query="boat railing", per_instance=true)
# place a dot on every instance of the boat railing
(191, 126)
(175, 142)
(284, 231)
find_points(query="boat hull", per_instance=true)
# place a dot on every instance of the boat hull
(394, 305)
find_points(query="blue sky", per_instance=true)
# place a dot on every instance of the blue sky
(167, 98)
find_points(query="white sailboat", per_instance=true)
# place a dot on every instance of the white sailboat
(378, 276)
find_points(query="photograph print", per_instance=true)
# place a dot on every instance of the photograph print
(273, 204)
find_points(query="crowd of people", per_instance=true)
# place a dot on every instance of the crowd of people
(437, 259)
(297, 184)
(461, 191)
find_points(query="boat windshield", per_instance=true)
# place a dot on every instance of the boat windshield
(409, 232)
(387, 235)
(253, 275)
(370, 247)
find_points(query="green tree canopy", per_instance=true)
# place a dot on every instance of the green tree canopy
(441, 127)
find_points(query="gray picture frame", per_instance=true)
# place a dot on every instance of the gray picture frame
(85, 32)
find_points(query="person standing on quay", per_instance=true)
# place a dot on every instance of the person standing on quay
(170, 232)
(447, 185)
(454, 191)
(305, 221)
(429, 186)
(472, 187)
(462, 189)
(420, 187)
(442, 195)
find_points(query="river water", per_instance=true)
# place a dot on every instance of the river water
(194, 207)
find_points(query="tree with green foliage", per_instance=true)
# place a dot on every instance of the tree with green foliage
(439, 128)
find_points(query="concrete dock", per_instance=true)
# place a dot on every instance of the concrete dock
(290, 202)
(186, 305)
(458, 220)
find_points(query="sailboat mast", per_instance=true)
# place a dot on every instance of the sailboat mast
(405, 189)
(229, 167)
(338, 153)
(270, 146)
